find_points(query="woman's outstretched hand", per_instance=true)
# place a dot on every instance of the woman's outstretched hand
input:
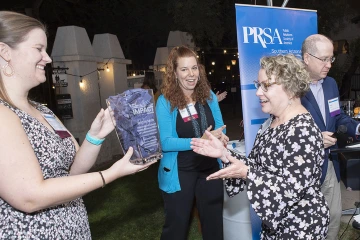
(124, 167)
(237, 169)
(211, 147)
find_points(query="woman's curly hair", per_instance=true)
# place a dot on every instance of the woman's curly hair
(289, 71)
(170, 87)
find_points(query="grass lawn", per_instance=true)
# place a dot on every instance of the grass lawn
(132, 208)
(129, 208)
(350, 233)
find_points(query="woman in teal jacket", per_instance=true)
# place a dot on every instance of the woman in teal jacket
(186, 108)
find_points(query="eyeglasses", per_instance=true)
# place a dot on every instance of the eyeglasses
(324, 60)
(264, 85)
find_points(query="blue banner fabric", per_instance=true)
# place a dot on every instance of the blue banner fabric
(264, 31)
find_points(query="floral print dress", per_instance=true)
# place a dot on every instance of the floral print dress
(283, 181)
(55, 155)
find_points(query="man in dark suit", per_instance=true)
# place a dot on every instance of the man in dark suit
(324, 105)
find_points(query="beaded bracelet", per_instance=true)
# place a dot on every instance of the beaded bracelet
(93, 140)
(103, 179)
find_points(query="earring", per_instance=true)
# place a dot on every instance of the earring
(290, 102)
(5, 69)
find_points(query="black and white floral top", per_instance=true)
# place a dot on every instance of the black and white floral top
(55, 155)
(283, 181)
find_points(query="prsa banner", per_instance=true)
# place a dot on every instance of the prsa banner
(264, 31)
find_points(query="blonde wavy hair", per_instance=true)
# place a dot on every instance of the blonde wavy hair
(289, 71)
(172, 90)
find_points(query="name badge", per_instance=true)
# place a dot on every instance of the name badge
(334, 106)
(56, 125)
(185, 113)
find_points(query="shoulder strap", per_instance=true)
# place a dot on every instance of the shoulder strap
(6, 104)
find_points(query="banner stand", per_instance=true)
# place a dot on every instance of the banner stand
(263, 31)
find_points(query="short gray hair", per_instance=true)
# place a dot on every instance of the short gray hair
(309, 44)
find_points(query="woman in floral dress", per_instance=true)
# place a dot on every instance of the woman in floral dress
(282, 172)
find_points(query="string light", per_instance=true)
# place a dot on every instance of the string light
(227, 50)
(81, 83)
(81, 76)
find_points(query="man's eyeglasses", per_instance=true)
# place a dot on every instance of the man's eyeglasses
(264, 85)
(324, 60)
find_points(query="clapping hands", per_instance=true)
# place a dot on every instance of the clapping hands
(213, 147)
(218, 133)
(221, 96)
(209, 146)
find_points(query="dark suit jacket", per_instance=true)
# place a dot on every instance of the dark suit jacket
(330, 91)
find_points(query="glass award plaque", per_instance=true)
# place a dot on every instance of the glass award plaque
(136, 124)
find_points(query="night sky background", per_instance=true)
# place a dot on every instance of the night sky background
(143, 25)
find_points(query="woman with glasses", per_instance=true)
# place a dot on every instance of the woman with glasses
(282, 172)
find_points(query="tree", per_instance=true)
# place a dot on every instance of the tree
(30, 8)
(143, 25)
(140, 25)
(202, 18)
(346, 72)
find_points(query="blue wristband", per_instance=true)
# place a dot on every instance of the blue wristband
(95, 141)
